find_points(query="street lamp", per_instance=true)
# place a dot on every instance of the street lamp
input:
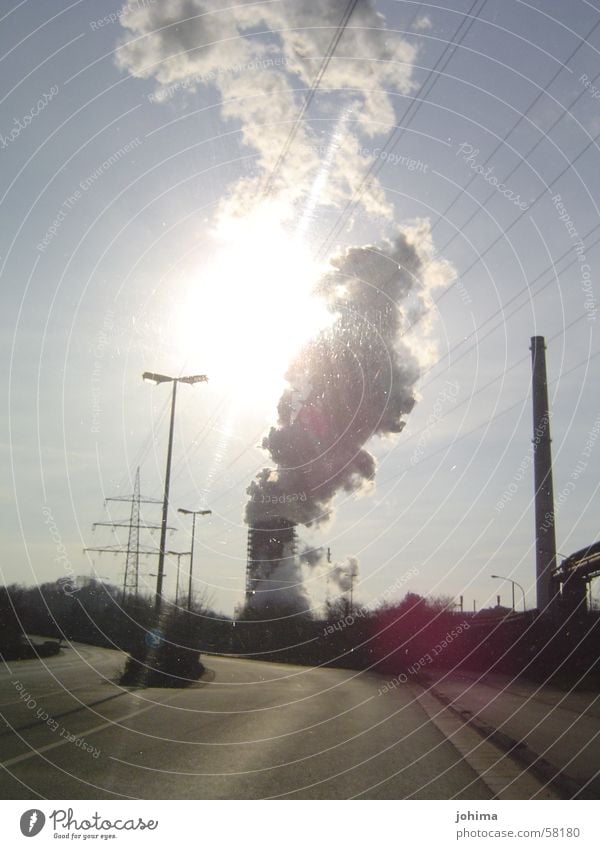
(178, 555)
(502, 578)
(163, 378)
(193, 514)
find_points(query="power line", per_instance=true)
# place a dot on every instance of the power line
(467, 433)
(501, 309)
(395, 136)
(494, 379)
(509, 133)
(349, 10)
(461, 403)
(518, 218)
(463, 189)
(569, 165)
(502, 374)
(473, 333)
(311, 93)
(377, 165)
(315, 85)
(426, 88)
(409, 113)
(488, 421)
(480, 256)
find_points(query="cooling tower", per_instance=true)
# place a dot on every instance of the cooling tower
(271, 568)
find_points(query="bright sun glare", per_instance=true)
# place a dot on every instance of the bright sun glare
(250, 307)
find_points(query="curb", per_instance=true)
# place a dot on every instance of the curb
(566, 786)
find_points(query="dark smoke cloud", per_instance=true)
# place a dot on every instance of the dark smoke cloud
(312, 556)
(353, 381)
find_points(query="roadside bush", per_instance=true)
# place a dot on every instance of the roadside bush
(171, 660)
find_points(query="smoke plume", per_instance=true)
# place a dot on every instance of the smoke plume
(340, 574)
(343, 574)
(276, 580)
(254, 64)
(354, 381)
(261, 60)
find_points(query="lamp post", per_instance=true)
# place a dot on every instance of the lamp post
(193, 514)
(178, 555)
(514, 583)
(163, 378)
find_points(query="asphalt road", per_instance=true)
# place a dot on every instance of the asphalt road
(248, 730)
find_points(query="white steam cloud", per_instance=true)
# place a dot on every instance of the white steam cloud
(262, 59)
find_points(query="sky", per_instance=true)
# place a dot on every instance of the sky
(178, 177)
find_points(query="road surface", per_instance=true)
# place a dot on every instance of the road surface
(248, 730)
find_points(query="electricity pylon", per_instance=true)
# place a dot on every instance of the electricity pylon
(133, 550)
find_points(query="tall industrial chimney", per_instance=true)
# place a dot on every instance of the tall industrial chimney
(545, 540)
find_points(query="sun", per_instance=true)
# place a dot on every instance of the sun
(250, 308)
